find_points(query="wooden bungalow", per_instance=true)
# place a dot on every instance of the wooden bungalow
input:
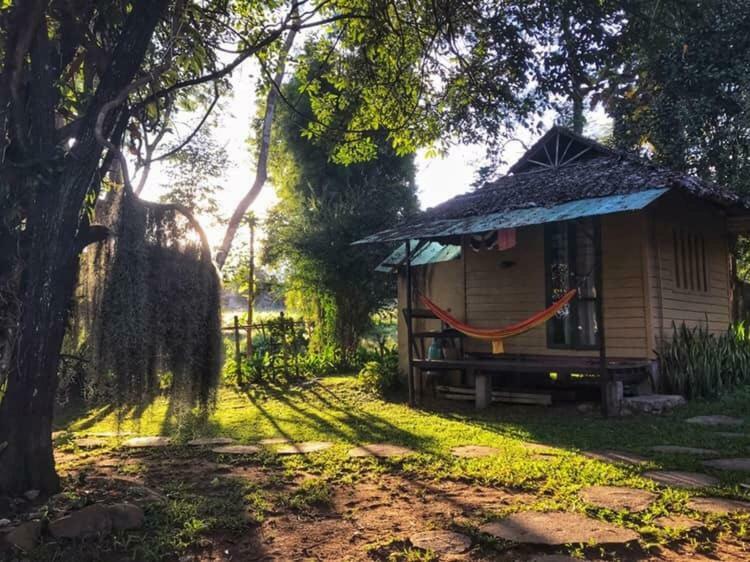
(645, 247)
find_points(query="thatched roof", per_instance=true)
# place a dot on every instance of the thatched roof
(600, 173)
(561, 168)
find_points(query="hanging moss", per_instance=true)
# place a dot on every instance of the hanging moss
(147, 316)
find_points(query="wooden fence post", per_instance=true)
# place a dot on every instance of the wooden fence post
(250, 292)
(237, 355)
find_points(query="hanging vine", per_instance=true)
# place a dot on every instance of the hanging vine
(147, 312)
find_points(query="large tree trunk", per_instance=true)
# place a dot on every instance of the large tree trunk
(52, 240)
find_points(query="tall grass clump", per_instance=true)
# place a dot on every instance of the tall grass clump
(699, 364)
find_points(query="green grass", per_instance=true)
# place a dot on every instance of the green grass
(337, 410)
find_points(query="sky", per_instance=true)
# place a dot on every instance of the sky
(438, 178)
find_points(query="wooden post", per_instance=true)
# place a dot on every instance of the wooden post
(250, 292)
(409, 330)
(483, 390)
(604, 381)
(237, 354)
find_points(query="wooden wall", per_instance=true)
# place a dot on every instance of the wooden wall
(670, 303)
(640, 296)
(497, 296)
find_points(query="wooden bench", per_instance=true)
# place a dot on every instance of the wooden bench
(484, 368)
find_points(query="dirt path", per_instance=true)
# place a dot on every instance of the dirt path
(278, 515)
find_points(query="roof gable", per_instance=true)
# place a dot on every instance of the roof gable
(557, 148)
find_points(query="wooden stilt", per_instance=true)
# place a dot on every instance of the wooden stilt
(607, 396)
(409, 328)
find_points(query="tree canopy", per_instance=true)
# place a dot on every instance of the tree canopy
(683, 89)
(325, 206)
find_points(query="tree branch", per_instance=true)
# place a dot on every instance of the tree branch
(190, 137)
(114, 149)
(261, 173)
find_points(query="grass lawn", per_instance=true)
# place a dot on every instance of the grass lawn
(217, 507)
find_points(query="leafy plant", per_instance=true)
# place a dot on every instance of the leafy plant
(379, 377)
(699, 364)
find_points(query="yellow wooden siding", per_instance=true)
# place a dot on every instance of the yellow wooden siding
(677, 305)
(497, 295)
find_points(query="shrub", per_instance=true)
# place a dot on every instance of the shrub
(379, 377)
(699, 364)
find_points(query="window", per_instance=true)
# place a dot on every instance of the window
(690, 271)
(570, 262)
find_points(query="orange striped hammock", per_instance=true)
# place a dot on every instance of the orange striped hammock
(497, 335)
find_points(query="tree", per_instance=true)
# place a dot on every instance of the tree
(323, 208)
(195, 173)
(681, 87)
(73, 76)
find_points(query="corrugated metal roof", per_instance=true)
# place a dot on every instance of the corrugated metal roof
(431, 252)
(445, 228)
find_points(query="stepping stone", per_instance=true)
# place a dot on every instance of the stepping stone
(441, 542)
(140, 442)
(236, 450)
(730, 435)
(474, 451)
(90, 443)
(679, 522)
(678, 450)
(654, 403)
(380, 450)
(742, 465)
(304, 448)
(210, 441)
(618, 497)
(557, 528)
(621, 457)
(718, 505)
(713, 421)
(679, 479)
(274, 441)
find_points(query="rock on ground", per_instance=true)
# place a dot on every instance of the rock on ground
(90, 443)
(91, 521)
(274, 441)
(474, 451)
(380, 450)
(557, 528)
(210, 441)
(137, 442)
(679, 522)
(715, 420)
(126, 516)
(680, 479)
(97, 520)
(679, 450)
(622, 457)
(441, 542)
(653, 403)
(304, 448)
(618, 497)
(236, 450)
(718, 505)
(739, 465)
(25, 536)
